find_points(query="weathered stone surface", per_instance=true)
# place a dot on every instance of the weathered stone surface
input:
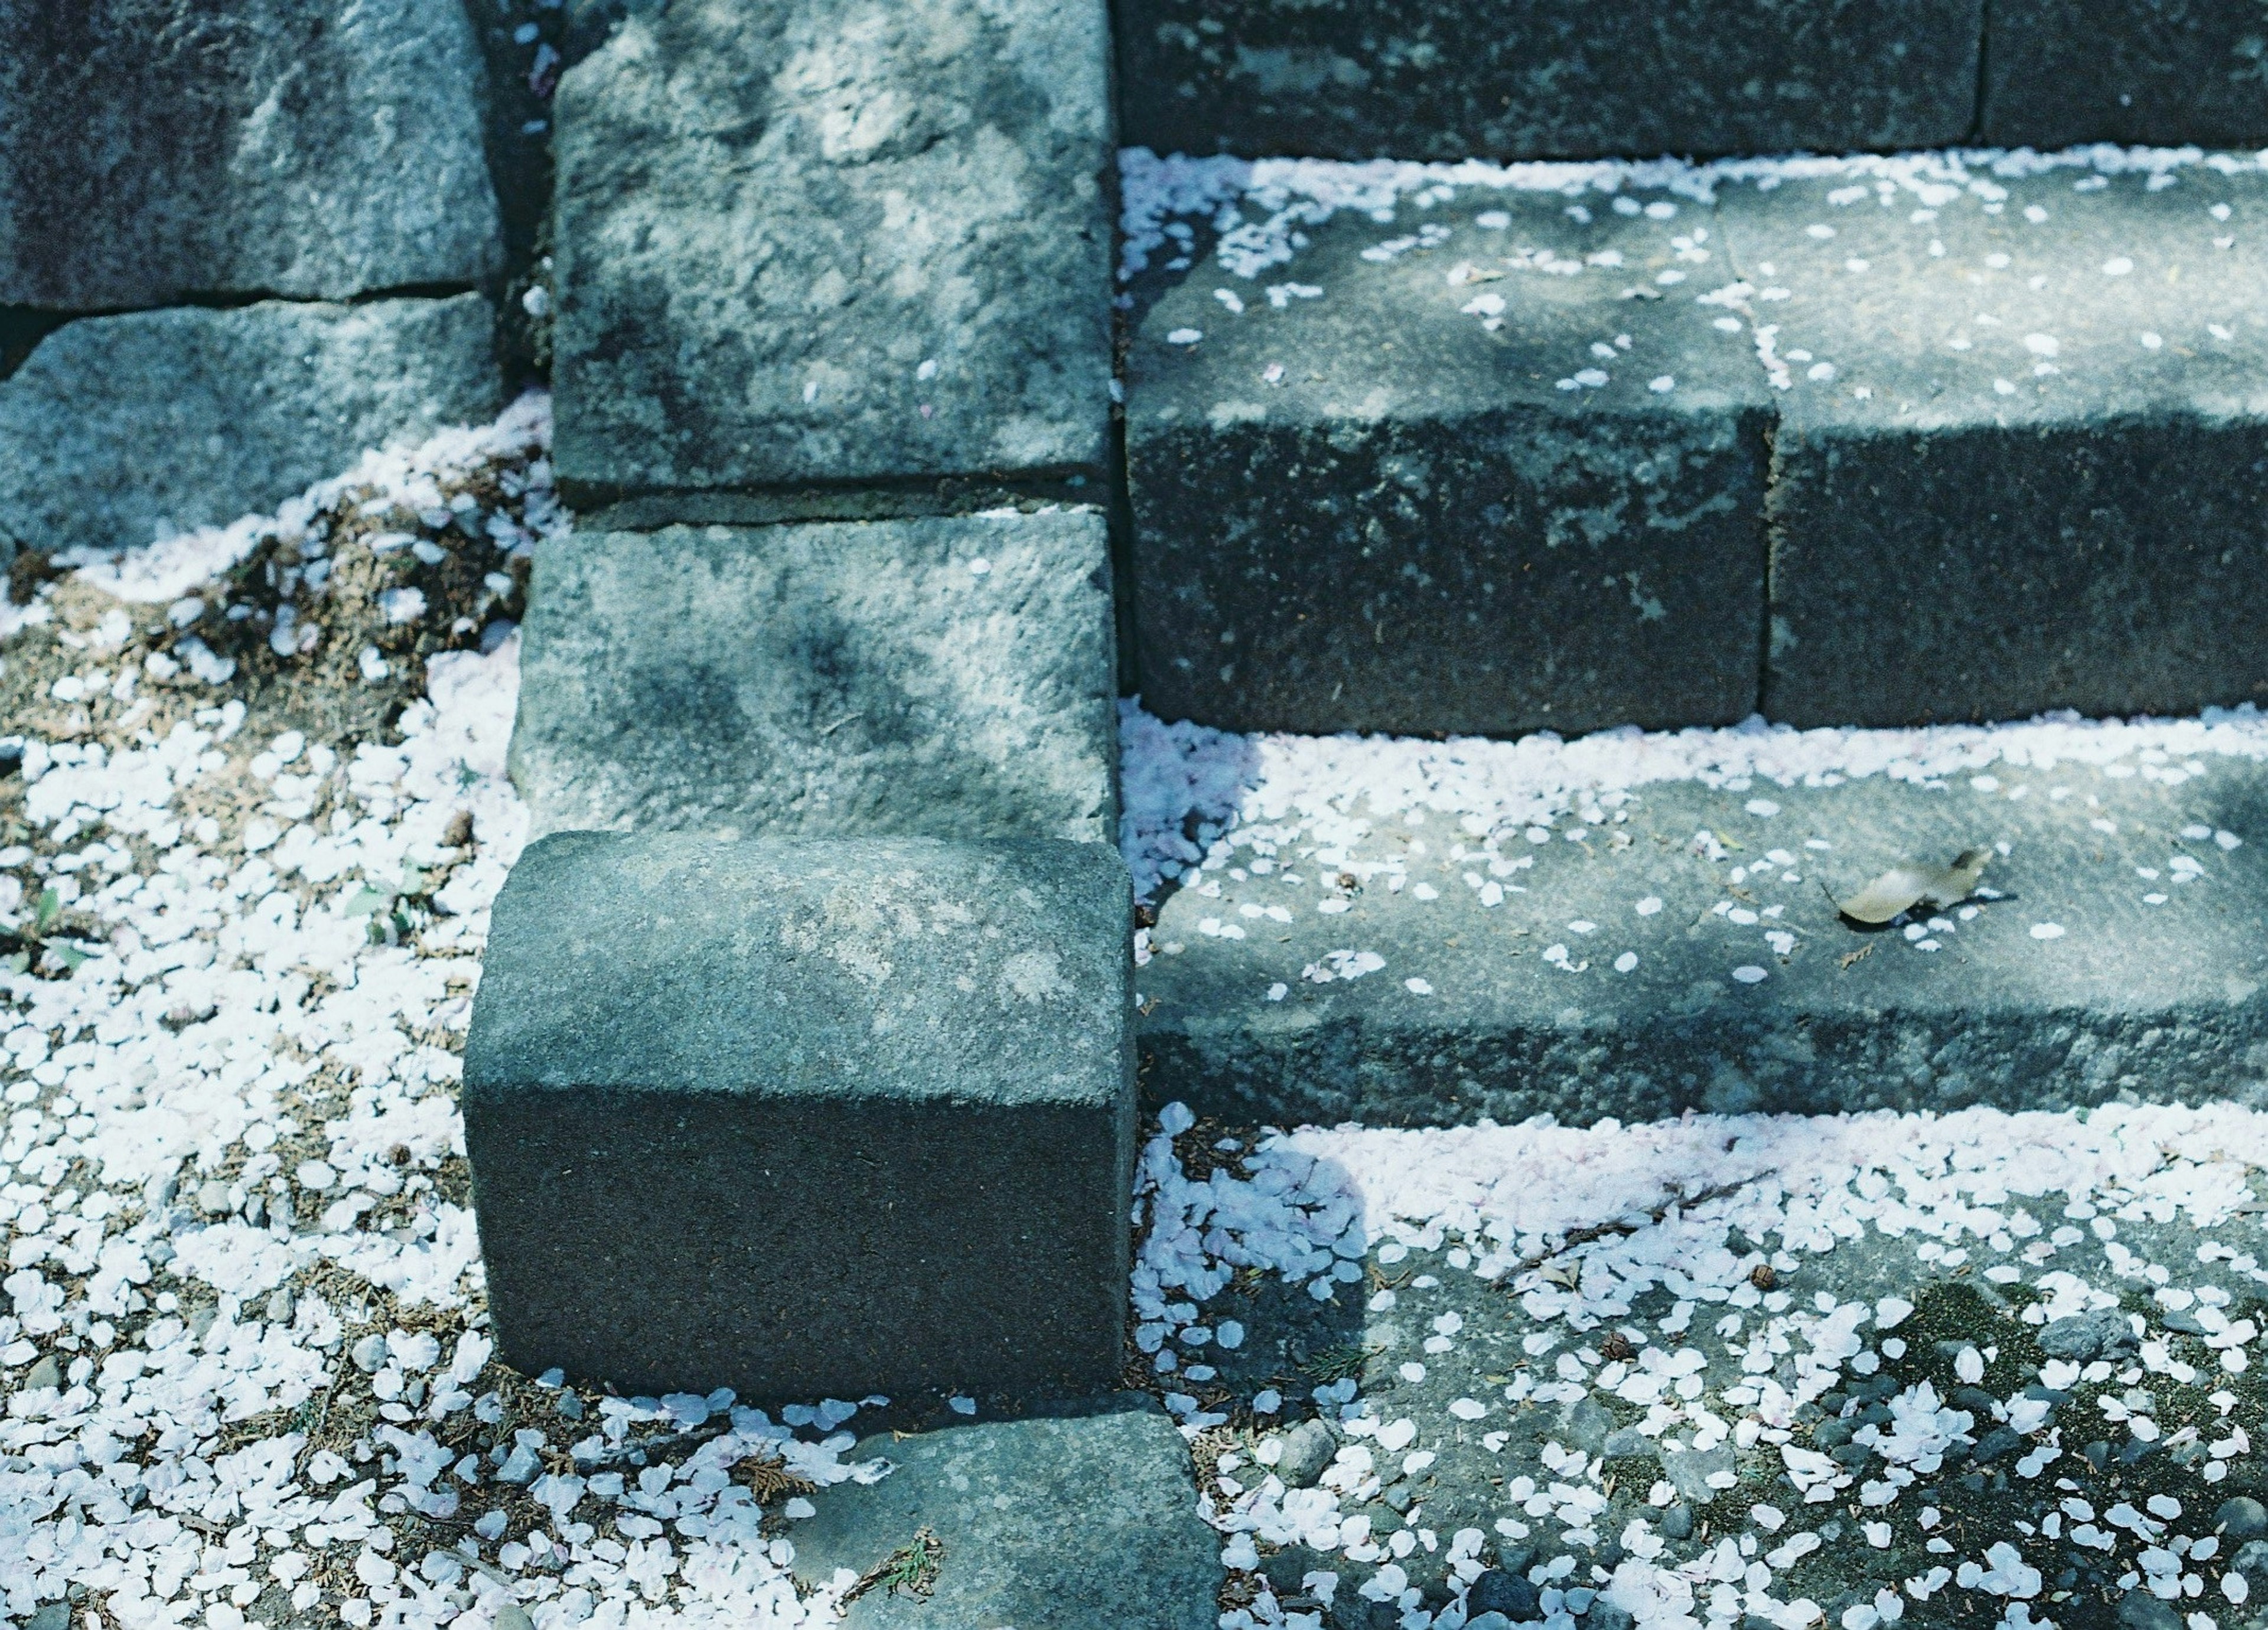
(2017, 438)
(115, 430)
(947, 676)
(2022, 459)
(806, 1118)
(151, 149)
(1064, 1523)
(2146, 72)
(1555, 78)
(2162, 1000)
(812, 245)
(1361, 501)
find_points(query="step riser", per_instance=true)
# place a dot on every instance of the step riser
(1428, 576)
(1793, 1064)
(1572, 78)
(2111, 556)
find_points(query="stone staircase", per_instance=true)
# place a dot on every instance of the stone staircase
(930, 378)
(1478, 439)
(898, 462)
(1441, 79)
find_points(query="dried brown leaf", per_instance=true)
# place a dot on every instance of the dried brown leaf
(1910, 882)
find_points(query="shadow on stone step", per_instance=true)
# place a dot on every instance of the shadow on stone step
(1166, 767)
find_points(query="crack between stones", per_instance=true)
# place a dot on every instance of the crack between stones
(1983, 70)
(606, 508)
(1769, 517)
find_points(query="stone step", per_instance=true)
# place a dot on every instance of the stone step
(1062, 1521)
(1563, 78)
(950, 676)
(1407, 933)
(1484, 449)
(805, 1119)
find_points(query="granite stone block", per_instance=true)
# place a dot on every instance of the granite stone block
(1067, 1521)
(2156, 73)
(819, 247)
(953, 677)
(806, 1118)
(2022, 459)
(115, 431)
(1476, 466)
(154, 149)
(1645, 971)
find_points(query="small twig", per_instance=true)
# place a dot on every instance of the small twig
(911, 1567)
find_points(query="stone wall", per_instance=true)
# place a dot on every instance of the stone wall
(238, 243)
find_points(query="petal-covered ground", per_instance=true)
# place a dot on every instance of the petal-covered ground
(1975, 1369)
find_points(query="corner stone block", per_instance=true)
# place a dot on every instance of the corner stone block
(1448, 79)
(947, 676)
(2159, 73)
(806, 1118)
(156, 150)
(2023, 453)
(1444, 457)
(115, 430)
(818, 245)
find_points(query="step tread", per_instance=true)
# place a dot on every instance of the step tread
(1886, 269)
(2056, 992)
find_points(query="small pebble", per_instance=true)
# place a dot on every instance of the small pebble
(2240, 1518)
(1307, 1449)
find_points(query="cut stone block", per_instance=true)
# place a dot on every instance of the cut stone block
(821, 246)
(1551, 78)
(953, 677)
(118, 430)
(1448, 471)
(153, 149)
(2022, 459)
(2160, 73)
(2123, 957)
(1062, 1522)
(806, 1118)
